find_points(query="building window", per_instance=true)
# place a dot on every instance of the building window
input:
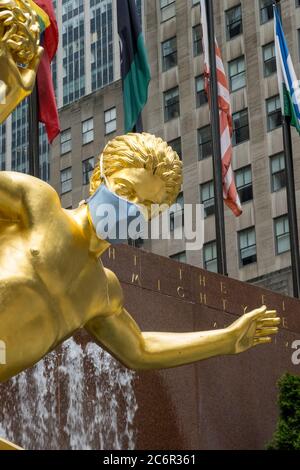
(278, 174)
(204, 142)
(266, 11)
(171, 104)
(247, 242)
(110, 120)
(197, 40)
(269, 59)
(240, 127)
(208, 198)
(65, 141)
(237, 73)
(195, 2)
(180, 257)
(201, 95)
(87, 170)
(2, 146)
(179, 213)
(243, 178)
(102, 36)
(282, 235)
(210, 257)
(19, 139)
(73, 74)
(169, 53)
(88, 131)
(234, 23)
(66, 180)
(274, 116)
(176, 146)
(167, 9)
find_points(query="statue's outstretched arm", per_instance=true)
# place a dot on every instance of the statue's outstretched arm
(121, 336)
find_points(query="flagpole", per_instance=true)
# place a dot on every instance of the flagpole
(291, 192)
(291, 202)
(139, 128)
(216, 145)
(33, 131)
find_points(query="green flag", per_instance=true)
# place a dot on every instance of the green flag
(135, 68)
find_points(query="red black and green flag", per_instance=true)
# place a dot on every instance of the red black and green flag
(48, 113)
(135, 68)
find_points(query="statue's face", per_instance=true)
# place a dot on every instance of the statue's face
(147, 189)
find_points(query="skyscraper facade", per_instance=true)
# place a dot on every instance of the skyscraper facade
(258, 248)
(86, 73)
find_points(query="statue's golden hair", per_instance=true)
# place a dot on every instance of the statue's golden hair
(140, 151)
(19, 30)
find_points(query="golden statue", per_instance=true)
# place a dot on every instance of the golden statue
(6, 445)
(53, 282)
(20, 53)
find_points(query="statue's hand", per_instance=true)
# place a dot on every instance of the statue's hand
(253, 328)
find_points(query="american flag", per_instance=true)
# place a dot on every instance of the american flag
(230, 193)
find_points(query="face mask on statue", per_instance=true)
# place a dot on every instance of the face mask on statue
(114, 219)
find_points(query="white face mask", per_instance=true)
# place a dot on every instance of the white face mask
(114, 219)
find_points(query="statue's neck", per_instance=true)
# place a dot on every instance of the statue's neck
(80, 216)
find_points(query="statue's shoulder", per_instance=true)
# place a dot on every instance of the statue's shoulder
(33, 187)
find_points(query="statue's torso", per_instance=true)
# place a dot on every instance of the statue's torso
(49, 280)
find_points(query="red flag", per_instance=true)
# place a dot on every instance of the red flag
(48, 113)
(230, 193)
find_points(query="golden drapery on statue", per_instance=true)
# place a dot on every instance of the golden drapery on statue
(52, 281)
(20, 53)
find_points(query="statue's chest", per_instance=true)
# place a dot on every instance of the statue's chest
(57, 252)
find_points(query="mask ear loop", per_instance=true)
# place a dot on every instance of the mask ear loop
(102, 174)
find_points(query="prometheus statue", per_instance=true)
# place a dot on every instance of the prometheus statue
(53, 282)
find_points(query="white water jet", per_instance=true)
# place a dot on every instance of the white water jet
(80, 398)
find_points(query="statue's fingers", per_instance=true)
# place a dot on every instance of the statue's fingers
(20, 14)
(256, 314)
(14, 44)
(266, 332)
(267, 315)
(269, 322)
(11, 32)
(262, 314)
(7, 16)
(258, 341)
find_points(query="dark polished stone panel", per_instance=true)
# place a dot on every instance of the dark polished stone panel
(221, 403)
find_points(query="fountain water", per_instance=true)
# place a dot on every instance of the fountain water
(77, 398)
